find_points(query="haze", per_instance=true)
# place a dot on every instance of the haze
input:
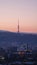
(24, 10)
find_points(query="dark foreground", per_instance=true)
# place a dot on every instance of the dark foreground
(18, 58)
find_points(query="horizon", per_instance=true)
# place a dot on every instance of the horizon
(18, 32)
(24, 10)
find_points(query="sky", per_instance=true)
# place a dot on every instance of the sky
(23, 10)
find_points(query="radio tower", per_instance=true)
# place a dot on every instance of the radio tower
(18, 25)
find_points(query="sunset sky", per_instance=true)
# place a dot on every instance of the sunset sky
(24, 10)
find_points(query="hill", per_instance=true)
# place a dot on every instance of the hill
(15, 39)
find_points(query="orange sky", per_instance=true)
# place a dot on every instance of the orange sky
(24, 10)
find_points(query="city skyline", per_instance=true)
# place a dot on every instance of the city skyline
(24, 10)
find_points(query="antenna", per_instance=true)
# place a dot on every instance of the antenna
(18, 25)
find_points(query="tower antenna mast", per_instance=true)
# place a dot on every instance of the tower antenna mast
(18, 25)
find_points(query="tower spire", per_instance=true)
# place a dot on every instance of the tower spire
(18, 25)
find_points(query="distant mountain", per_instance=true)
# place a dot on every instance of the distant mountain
(15, 39)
